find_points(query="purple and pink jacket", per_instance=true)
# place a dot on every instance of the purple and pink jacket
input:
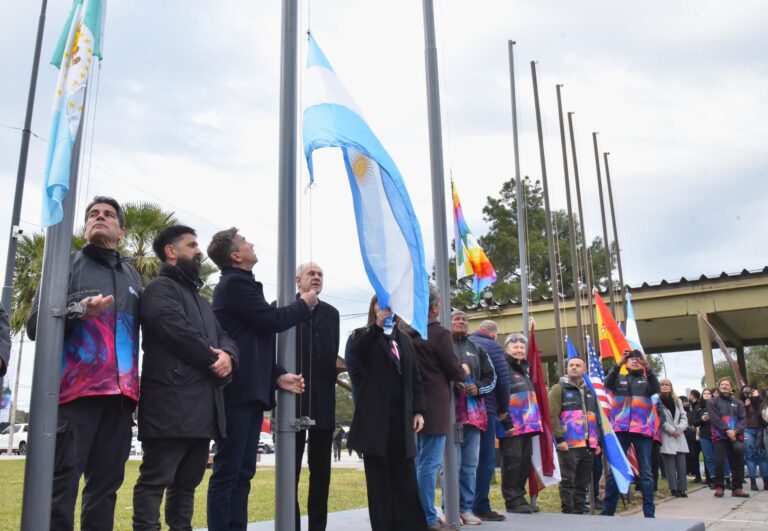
(726, 414)
(633, 410)
(524, 415)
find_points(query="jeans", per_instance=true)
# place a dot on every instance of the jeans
(753, 455)
(708, 449)
(428, 461)
(233, 468)
(643, 448)
(486, 467)
(467, 454)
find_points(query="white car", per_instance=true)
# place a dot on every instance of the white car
(20, 435)
(266, 444)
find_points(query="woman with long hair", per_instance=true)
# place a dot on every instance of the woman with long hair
(388, 411)
(674, 447)
(701, 421)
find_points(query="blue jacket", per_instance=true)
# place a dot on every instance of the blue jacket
(500, 393)
(244, 313)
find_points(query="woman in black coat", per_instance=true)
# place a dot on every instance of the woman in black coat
(388, 411)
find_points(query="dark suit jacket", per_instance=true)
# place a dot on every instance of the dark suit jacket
(242, 310)
(370, 425)
(317, 347)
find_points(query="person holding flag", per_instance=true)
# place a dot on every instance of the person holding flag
(517, 427)
(633, 418)
(573, 413)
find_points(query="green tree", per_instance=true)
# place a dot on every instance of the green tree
(345, 407)
(143, 221)
(756, 359)
(501, 244)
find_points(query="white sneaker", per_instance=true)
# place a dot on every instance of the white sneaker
(470, 519)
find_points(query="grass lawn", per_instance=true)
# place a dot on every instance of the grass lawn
(348, 491)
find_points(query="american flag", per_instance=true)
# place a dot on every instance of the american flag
(597, 377)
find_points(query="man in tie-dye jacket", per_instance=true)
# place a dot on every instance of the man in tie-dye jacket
(728, 420)
(99, 372)
(633, 418)
(517, 427)
(573, 413)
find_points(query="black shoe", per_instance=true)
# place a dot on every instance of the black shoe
(765, 483)
(728, 484)
(674, 493)
(738, 493)
(682, 494)
(523, 508)
(696, 480)
(753, 484)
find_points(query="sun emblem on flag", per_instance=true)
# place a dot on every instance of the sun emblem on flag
(362, 168)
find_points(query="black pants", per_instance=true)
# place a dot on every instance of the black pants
(656, 465)
(93, 438)
(515, 465)
(393, 494)
(724, 449)
(177, 465)
(576, 473)
(319, 461)
(597, 473)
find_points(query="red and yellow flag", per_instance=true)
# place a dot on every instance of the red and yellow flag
(612, 340)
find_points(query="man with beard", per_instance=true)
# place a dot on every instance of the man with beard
(99, 373)
(249, 319)
(473, 418)
(317, 347)
(188, 359)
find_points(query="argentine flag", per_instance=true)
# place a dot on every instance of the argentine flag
(387, 229)
(79, 43)
(633, 336)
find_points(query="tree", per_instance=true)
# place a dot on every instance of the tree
(756, 359)
(345, 407)
(143, 221)
(501, 244)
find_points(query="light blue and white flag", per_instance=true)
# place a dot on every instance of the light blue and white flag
(387, 229)
(632, 335)
(79, 43)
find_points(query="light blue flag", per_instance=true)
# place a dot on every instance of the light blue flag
(632, 335)
(79, 43)
(387, 229)
(614, 454)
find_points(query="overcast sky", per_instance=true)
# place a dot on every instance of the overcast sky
(186, 115)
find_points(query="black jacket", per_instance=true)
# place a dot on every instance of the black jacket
(180, 396)
(369, 432)
(5, 340)
(244, 313)
(317, 347)
(705, 430)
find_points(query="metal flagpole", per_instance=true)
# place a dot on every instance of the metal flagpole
(615, 232)
(550, 235)
(584, 243)
(606, 242)
(287, 425)
(15, 232)
(44, 406)
(571, 229)
(520, 196)
(450, 466)
(15, 402)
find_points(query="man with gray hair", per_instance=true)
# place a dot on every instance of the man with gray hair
(495, 402)
(317, 347)
(252, 322)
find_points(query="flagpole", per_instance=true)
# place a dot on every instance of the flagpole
(450, 465)
(615, 232)
(15, 232)
(571, 227)
(550, 235)
(520, 196)
(585, 245)
(606, 242)
(44, 405)
(287, 426)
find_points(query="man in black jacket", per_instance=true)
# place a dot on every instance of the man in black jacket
(244, 313)
(317, 347)
(188, 358)
(99, 383)
(5, 341)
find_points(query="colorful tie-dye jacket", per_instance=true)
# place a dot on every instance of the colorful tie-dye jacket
(573, 412)
(524, 415)
(482, 374)
(101, 353)
(726, 413)
(633, 409)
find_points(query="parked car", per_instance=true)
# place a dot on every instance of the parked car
(266, 444)
(20, 435)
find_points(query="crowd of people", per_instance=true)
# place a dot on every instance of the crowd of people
(209, 373)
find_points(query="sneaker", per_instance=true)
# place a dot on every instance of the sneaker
(492, 516)
(523, 508)
(469, 519)
(739, 493)
(719, 491)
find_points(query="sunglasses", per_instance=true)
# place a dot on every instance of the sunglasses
(516, 340)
